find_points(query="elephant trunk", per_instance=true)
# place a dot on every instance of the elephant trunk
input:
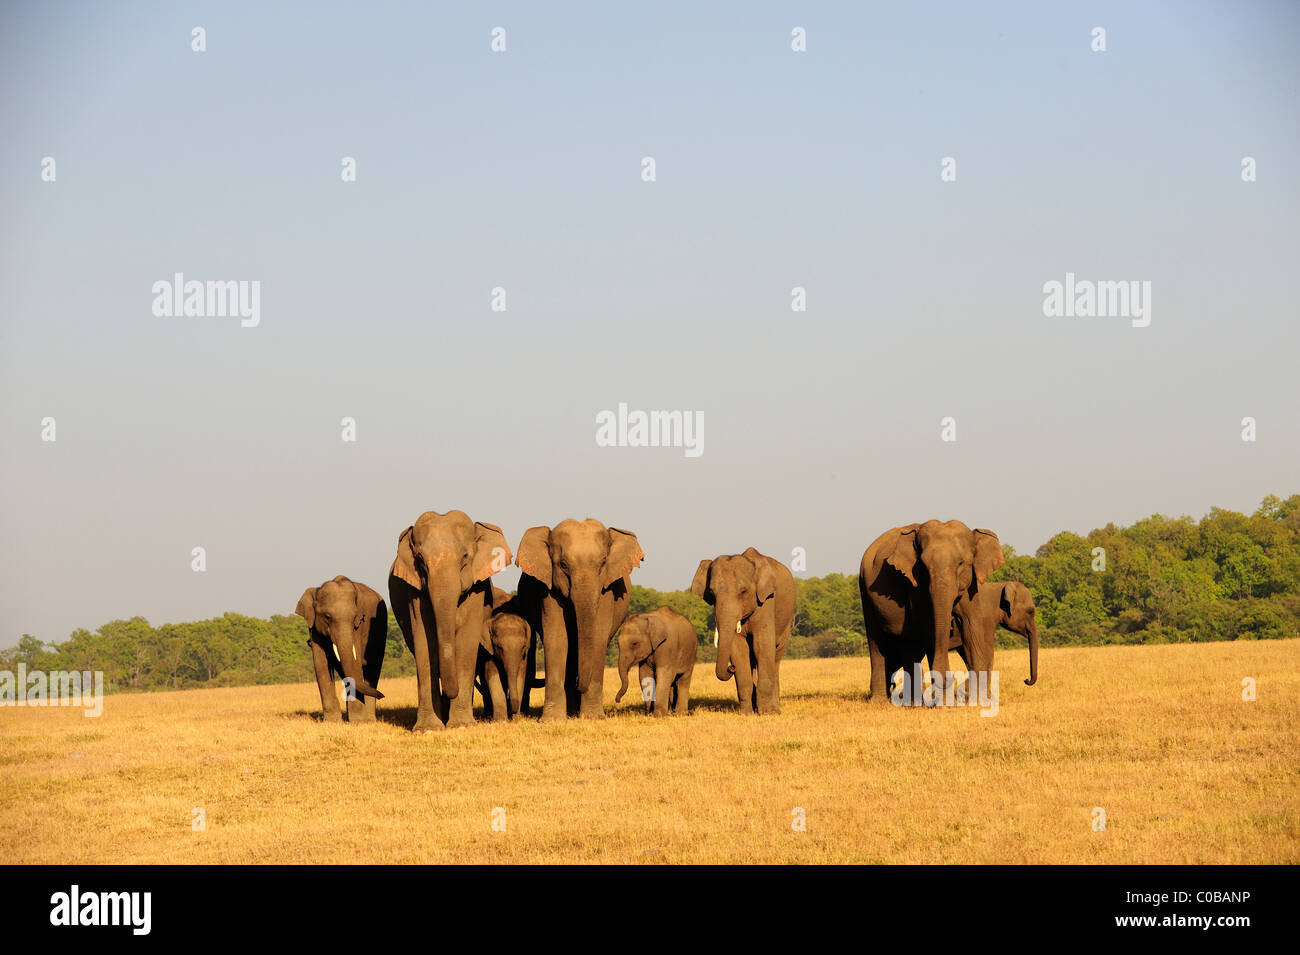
(351, 667)
(515, 692)
(591, 650)
(943, 599)
(727, 617)
(445, 596)
(1033, 654)
(625, 662)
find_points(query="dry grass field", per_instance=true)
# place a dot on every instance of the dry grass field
(1159, 737)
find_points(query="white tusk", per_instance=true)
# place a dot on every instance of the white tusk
(715, 636)
(737, 626)
(354, 653)
(336, 652)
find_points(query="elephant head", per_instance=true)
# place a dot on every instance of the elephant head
(578, 561)
(638, 639)
(445, 555)
(736, 586)
(339, 613)
(510, 637)
(945, 562)
(1017, 614)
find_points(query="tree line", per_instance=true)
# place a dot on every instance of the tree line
(1228, 576)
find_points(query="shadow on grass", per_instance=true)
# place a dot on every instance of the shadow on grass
(405, 716)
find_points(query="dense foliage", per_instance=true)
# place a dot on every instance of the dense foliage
(1226, 577)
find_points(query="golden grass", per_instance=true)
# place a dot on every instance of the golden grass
(1157, 736)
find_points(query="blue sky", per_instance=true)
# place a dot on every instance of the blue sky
(521, 169)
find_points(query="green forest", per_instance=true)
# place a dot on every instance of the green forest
(1229, 576)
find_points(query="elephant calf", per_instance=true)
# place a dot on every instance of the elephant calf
(348, 628)
(662, 645)
(1008, 604)
(508, 661)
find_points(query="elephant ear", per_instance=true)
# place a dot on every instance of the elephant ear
(700, 585)
(534, 557)
(491, 552)
(369, 605)
(903, 556)
(764, 576)
(655, 631)
(988, 554)
(1008, 598)
(625, 553)
(307, 607)
(1017, 598)
(404, 564)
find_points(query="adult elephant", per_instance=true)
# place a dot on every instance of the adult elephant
(352, 621)
(575, 590)
(916, 581)
(1008, 604)
(753, 602)
(440, 591)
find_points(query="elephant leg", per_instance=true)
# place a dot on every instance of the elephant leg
(909, 660)
(682, 702)
(979, 658)
(663, 689)
(460, 708)
(940, 671)
(592, 706)
(783, 641)
(329, 698)
(765, 657)
(555, 641)
(646, 673)
(880, 669)
(744, 676)
(530, 676)
(481, 684)
(428, 717)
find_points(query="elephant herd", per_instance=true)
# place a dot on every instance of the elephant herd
(923, 586)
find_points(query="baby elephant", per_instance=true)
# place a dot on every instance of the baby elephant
(1008, 604)
(662, 645)
(507, 665)
(348, 629)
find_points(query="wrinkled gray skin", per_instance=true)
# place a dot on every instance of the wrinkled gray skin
(440, 591)
(917, 583)
(753, 603)
(575, 591)
(507, 670)
(662, 645)
(1008, 604)
(347, 631)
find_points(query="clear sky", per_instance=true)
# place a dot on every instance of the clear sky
(523, 169)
